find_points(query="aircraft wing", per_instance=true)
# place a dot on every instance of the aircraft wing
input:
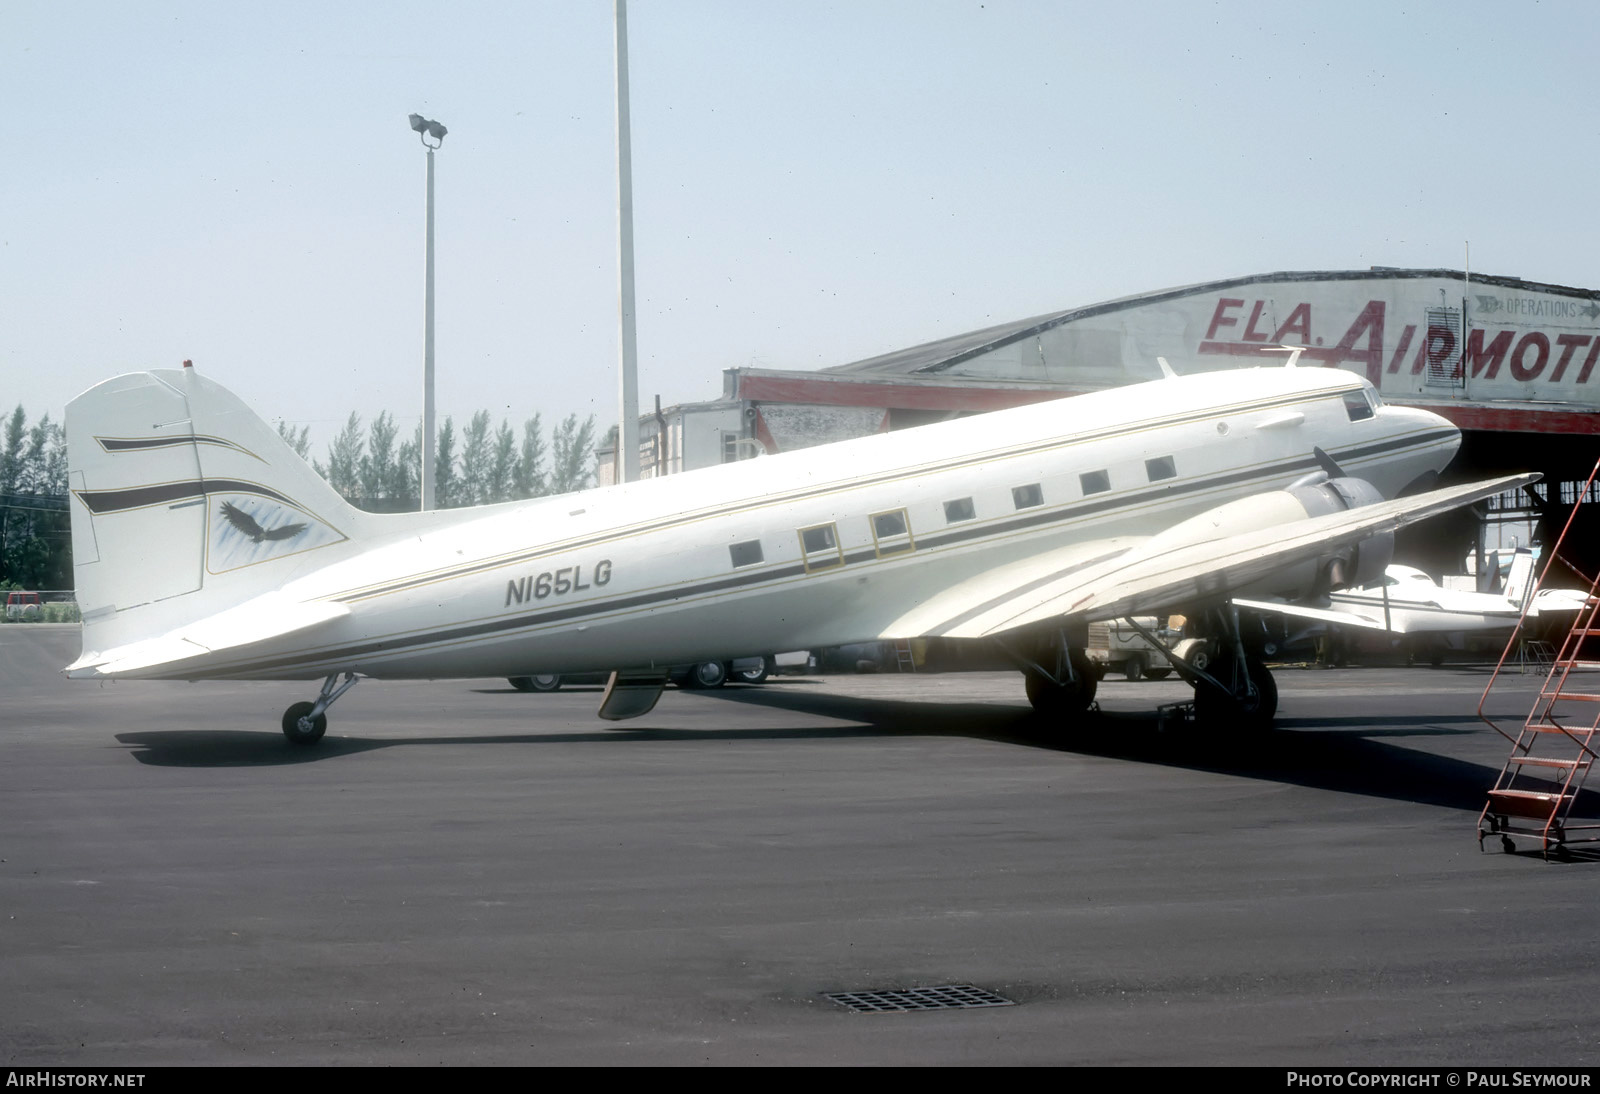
(1155, 577)
(259, 620)
(1320, 615)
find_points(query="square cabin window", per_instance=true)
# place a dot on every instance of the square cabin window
(1161, 467)
(819, 547)
(960, 509)
(1095, 482)
(1026, 497)
(747, 553)
(891, 532)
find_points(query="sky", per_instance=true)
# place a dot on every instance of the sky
(815, 182)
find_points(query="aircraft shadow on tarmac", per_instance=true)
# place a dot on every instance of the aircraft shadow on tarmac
(1339, 753)
(1343, 754)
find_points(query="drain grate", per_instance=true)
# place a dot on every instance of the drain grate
(944, 997)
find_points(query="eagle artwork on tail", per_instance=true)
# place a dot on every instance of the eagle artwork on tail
(247, 524)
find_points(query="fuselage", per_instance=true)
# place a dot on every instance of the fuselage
(1410, 602)
(826, 545)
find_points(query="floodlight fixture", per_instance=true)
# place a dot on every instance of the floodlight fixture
(427, 127)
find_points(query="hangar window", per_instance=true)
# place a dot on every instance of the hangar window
(1025, 497)
(1357, 406)
(960, 509)
(1161, 467)
(819, 547)
(1095, 482)
(891, 532)
(747, 553)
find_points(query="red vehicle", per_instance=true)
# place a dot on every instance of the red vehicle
(21, 605)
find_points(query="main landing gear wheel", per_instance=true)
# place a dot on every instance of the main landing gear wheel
(1248, 712)
(1067, 699)
(542, 682)
(755, 676)
(707, 674)
(300, 727)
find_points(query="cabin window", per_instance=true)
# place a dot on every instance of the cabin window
(747, 553)
(1161, 467)
(1025, 497)
(1357, 407)
(1095, 482)
(960, 509)
(891, 532)
(819, 547)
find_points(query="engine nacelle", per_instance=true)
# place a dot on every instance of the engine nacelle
(1361, 563)
(1315, 496)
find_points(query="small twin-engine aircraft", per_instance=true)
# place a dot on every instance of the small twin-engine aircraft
(1404, 600)
(205, 548)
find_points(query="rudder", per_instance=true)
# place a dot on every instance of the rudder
(185, 503)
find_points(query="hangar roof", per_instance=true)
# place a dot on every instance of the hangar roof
(931, 358)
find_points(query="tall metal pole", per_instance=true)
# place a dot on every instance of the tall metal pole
(427, 352)
(627, 466)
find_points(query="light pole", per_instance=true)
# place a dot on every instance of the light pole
(628, 382)
(425, 128)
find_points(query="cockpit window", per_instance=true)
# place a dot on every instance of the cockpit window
(1357, 406)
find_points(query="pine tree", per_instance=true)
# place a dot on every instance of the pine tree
(406, 475)
(528, 475)
(445, 485)
(473, 488)
(344, 459)
(572, 452)
(377, 466)
(500, 467)
(297, 439)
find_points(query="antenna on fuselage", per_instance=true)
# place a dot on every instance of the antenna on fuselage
(1294, 353)
(1166, 369)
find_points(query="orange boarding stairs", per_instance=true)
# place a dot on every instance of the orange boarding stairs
(1559, 741)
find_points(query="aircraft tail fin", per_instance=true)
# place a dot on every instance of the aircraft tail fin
(185, 504)
(1519, 578)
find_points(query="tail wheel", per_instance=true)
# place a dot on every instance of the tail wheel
(300, 728)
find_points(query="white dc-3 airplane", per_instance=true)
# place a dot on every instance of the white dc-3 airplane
(205, 548)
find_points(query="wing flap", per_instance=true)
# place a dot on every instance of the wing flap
(1155, 578)
(975, 602)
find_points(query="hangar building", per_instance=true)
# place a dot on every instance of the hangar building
(1513, 363)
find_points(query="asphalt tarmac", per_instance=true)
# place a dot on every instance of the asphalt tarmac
(465, 874)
